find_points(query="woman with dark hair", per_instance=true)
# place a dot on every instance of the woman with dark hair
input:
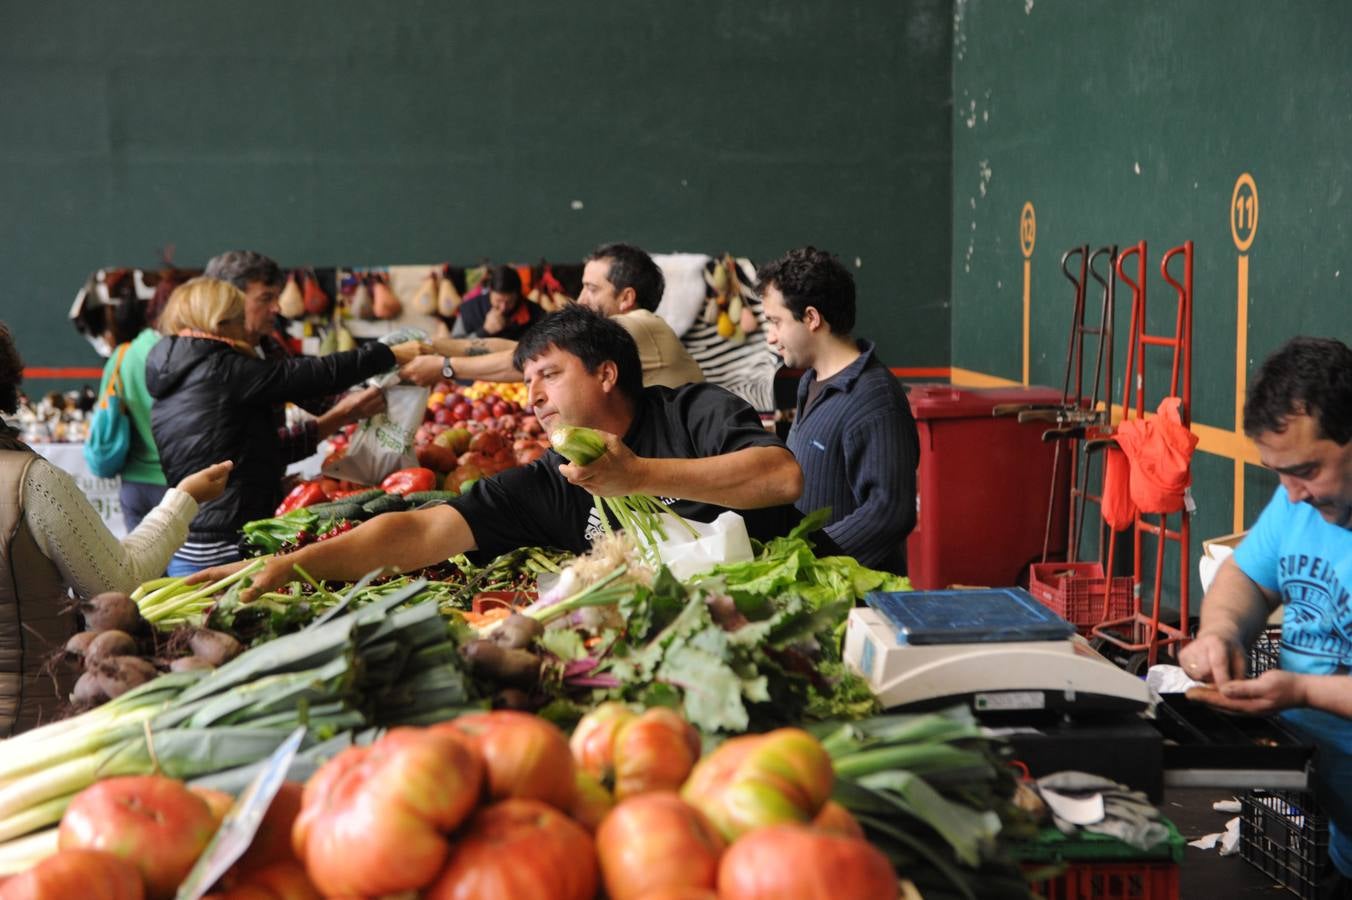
(132, 323)
(52, 539)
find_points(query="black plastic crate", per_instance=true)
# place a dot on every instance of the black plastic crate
(1285, 835)
(1266, 652)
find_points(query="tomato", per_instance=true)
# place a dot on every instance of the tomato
(151, 821)
(524, 756)
(219, 802)
(272, 842)
(522, 849)
(593, 740)
(836, 819)
(796, 862)
(657, 841)
(88, 874)
(654, 752)
(764, 779)
(283, 880)
(373, 819)
(591, 801)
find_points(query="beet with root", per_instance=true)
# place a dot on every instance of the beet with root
(88, 691)
(120, 674)
(516, 632)
(78, 645)
(107, 644)
(189, 664)
(215, 647)
(508, 665)
(111, 611)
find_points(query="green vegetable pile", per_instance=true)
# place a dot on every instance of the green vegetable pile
(749, 646)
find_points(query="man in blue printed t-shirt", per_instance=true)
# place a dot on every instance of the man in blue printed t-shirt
(1298, 553)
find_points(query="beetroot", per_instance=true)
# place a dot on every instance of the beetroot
(107, 644)
(111, 611)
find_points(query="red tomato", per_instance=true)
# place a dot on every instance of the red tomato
(272, 841)
(154, 822)
(796, 862)
(593, 740)
(522, 849)
(591, 801)
(283, 880)
(88, 874)
(657, 841)
(654, 752)
(524, 756)
(218, 801)
(373, 819)
(764, 779)
(836, 819)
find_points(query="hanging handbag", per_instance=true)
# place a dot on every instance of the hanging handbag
(105, 449)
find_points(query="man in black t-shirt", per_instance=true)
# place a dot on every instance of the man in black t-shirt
(699, 447)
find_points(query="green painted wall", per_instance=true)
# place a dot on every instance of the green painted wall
(349, 132)
(1129, 121)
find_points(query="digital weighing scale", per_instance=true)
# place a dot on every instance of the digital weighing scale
(998, 649)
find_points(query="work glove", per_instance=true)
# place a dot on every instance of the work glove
(1126, 814)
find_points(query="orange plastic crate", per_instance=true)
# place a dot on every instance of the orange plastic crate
(1074, 591)
(1117, 880)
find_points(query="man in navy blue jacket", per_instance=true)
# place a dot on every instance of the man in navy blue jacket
(853, 434)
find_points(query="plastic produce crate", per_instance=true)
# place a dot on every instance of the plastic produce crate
(1074, 591)
(1142, 880)
(1266, 652)
(1102, 867)
(1284, 834)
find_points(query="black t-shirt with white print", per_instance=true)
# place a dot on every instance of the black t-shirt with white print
(535, 506)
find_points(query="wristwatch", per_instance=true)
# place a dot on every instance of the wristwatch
(447, 370)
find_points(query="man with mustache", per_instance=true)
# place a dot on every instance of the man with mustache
(1298, 553)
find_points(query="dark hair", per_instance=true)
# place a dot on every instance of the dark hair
(504, 280)
(240, 267)
(589, 336)
(811, 277)
(124, 319)
(1308, 376)
(631, 267)
(11, 372)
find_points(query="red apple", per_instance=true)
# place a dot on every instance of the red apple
(443, 416)
(456, 438)
(154, 822)
(461, 411)
(500, 408)
(488, 442)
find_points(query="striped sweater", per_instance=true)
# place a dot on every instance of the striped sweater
(858, 448)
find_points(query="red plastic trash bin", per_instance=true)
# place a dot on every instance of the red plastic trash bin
(982, 487)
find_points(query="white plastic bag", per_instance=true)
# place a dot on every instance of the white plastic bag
(384, 443)
(722, 540)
